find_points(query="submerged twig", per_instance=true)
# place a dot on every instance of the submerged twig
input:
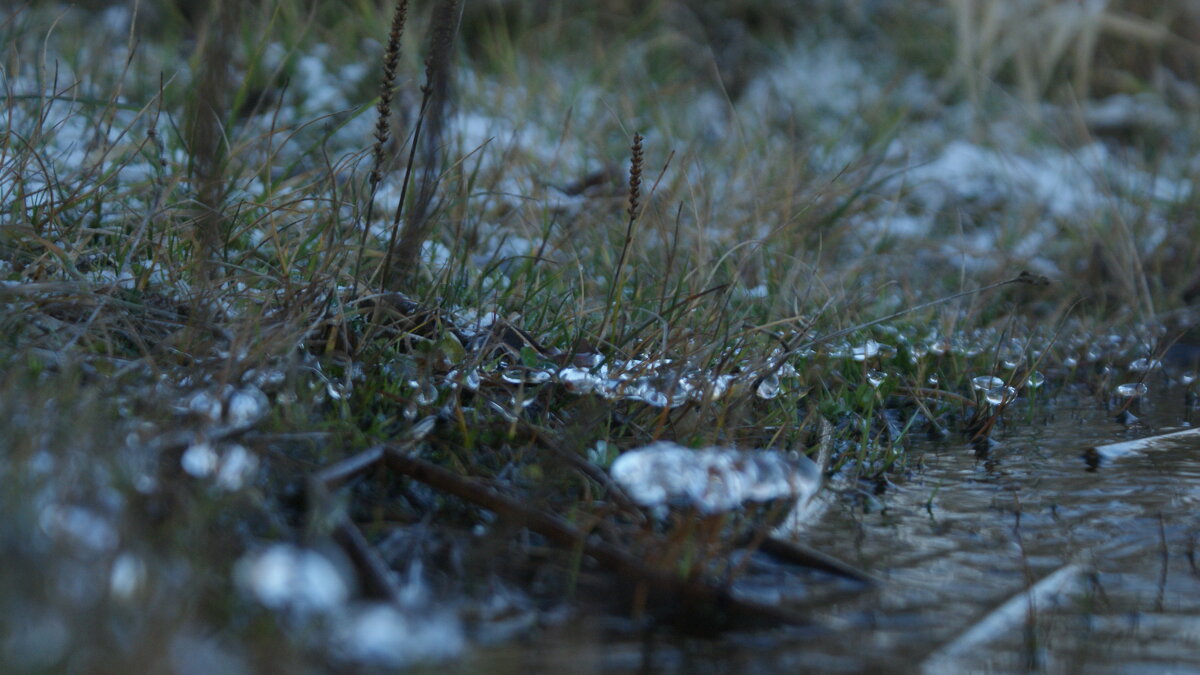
(377, 578)
(340, 473)
(1015, 611)
(796, 553)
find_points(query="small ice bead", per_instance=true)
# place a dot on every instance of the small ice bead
(1132, 389)
(986, 382)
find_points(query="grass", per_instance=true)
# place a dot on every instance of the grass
(214, 208)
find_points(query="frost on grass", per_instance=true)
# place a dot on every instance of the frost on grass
(975, 180)
(712, 480)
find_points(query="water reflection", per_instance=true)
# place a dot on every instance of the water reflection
(957, 545)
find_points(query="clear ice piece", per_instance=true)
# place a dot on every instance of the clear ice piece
(712, 480)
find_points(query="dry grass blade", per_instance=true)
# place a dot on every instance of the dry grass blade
(1039, 39)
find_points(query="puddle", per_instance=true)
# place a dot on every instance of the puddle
(955, 546)
(966, 534)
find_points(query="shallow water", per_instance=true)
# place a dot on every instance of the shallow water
(961, 538)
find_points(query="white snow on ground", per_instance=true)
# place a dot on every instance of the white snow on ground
(935, 172)
(941, 182)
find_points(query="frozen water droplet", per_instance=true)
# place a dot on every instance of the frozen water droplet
(1070, 362)
(80, 526)
(285, 577)
(379, 635)
(1143, 365)
(472, 380)
(602, 453)
(610, 389)
(1035, 380)
(721, 385)
(127, 576)
(876, 378)
(867, 350)
(245, 407)
(513, 375)
(336, 390)
(1000, 395)
(1133, 390)
(426, 394)
(578, 380)
(237, 468)
(206, 404)
(768, 388)
(679, 395)
(646, 392)
(986, 382)
(200, 460)
(1188, 377)
(933, 379)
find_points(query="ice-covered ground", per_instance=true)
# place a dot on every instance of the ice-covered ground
(982, 191)
(978, 193)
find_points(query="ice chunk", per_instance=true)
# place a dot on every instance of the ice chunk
(712, 479)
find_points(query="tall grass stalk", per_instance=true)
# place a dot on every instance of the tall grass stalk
(636, 160)
(383, 124)
(206, 139)
(404, 245)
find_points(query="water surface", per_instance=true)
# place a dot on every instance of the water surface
(956, 540)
